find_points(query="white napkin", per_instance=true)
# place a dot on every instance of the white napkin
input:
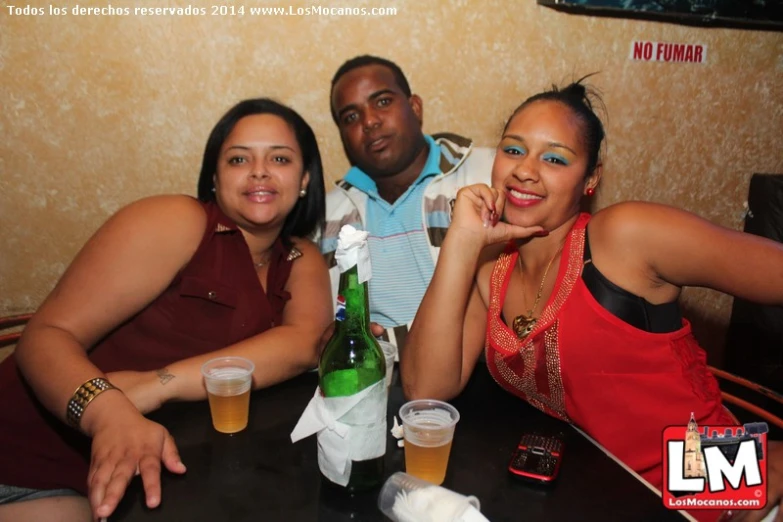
(352, 249)
(339, 441)
(398, 432)
(435, 504)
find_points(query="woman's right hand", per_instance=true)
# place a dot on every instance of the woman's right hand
(125, 445)
(477, 210)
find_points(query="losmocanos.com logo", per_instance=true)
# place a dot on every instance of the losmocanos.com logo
(715, 467)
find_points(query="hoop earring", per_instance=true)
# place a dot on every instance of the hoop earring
(302, 193)
(589, 192)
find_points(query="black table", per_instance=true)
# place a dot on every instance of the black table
(259, 475)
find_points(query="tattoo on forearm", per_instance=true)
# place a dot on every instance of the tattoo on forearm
(165, 375)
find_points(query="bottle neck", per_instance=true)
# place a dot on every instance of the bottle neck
(357, 307)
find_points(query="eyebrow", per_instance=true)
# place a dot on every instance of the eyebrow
(373, 96)
(273, 147)
(553, 144)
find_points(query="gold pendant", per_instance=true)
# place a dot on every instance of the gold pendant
(522, 325)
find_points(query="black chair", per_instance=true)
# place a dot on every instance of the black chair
(754, 341)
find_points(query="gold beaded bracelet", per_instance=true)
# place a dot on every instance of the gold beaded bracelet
(83, 396)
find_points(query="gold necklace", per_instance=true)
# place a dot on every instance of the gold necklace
(261, 264)
(524, 324)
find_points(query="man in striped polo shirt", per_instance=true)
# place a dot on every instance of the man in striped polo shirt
(400, 187)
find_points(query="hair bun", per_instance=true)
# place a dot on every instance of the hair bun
(577, 92)
(575, 89)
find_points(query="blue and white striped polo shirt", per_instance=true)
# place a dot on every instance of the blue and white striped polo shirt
(402, 264)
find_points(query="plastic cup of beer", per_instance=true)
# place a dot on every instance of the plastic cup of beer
(390, 352)
(228, 381)
(429, 429)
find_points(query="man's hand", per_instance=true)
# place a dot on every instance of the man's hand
(376, 329)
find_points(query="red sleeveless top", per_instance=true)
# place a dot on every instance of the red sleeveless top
(583, 365)
(216, 300)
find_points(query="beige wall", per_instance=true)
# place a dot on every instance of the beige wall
(98, 111)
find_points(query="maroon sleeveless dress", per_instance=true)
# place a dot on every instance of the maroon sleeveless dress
(216, 300)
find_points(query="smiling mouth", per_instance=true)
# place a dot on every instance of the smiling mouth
(261, 196)
(524, 195)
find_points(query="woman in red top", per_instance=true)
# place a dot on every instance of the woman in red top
(166, 284)
(579, 315)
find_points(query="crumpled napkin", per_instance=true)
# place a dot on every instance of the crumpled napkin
(398, 432)
(352, 249)
(435, 504)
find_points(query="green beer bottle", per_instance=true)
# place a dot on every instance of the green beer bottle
(353, 361)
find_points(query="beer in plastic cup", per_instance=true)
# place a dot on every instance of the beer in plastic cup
(429, 429)
(228, 381)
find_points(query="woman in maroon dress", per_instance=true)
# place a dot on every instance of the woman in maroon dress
(576, 314)
(166, 284)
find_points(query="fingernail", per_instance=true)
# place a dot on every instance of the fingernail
(486, 223)
(543, 233)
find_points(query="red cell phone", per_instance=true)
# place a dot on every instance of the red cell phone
(537, 458)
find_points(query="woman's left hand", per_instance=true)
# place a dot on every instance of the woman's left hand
(146, 390)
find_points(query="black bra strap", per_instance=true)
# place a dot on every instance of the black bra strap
(630, 308)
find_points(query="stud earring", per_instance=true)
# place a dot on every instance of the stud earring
(590, 192)
(213, 189)
(302, 193)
